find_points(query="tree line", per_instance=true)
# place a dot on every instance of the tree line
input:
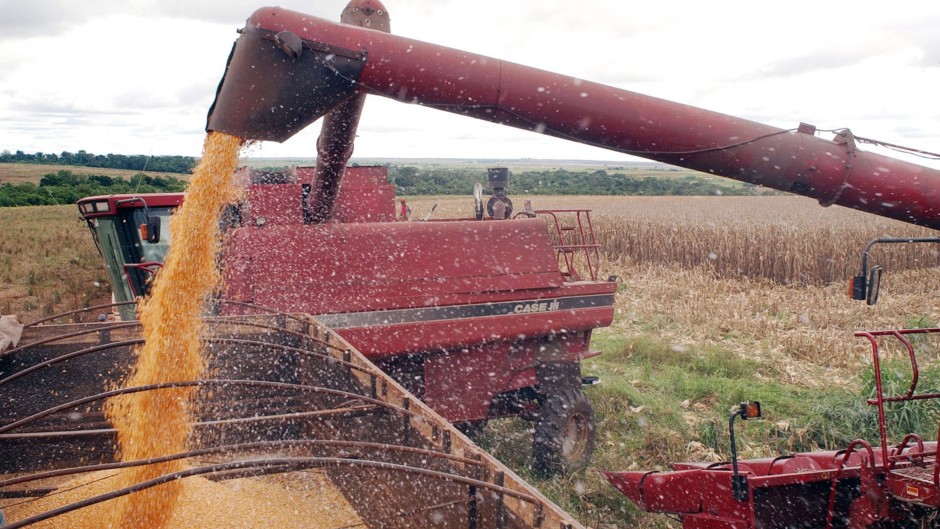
(138, 162)
(65, 187)
(410, 181)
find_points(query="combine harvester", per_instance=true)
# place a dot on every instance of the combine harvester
(474, 318)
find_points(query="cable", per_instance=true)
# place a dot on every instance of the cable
(142, 171)
(900, 148)
(893, 146)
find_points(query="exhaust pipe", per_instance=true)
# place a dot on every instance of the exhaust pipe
(338, 133)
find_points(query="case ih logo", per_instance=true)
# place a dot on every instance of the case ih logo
(348, 320)
(525, 308)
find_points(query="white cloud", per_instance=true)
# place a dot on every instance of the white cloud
(138, 76)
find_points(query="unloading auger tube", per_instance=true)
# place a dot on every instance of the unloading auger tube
(287, 69)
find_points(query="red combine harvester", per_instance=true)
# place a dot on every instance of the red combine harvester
(480, 317)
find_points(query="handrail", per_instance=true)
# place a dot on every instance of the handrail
(880, 399)
(584, 241)
(150, 267)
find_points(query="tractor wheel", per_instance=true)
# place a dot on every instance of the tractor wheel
(564, 433)
(473, 430)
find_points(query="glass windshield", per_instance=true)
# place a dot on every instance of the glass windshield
(155, 252)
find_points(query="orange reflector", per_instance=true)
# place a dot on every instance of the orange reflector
(752, 410)
(143, 232)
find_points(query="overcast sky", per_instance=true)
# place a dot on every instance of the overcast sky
(138, 76)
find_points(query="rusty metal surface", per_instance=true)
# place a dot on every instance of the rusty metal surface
(287, 94)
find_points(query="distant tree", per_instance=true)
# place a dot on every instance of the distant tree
(138, 162)
(63, 187)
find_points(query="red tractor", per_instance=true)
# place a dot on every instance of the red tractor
(485, 316)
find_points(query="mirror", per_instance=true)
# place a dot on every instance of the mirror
(153, 229)
(857, 287)
(874, 284)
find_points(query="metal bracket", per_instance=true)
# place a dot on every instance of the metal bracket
(847, 139)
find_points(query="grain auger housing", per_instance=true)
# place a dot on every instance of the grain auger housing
(288, 69)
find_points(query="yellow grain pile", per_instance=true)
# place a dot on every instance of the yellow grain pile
(305, 501)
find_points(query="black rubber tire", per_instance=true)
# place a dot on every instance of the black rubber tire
(564, 433)
(473, 430)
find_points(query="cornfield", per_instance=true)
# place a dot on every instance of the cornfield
(814, 249)
(789, 240)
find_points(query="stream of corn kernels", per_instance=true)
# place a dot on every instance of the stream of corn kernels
(156, 423)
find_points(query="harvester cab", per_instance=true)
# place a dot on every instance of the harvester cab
(132, 234)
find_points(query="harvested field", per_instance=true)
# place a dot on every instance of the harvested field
(796, 327)
(48, 263)
(805, 330)
(17, 173)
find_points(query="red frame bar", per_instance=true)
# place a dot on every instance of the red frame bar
(890, 459)
(588, 242)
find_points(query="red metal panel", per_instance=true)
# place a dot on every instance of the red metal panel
(366, 175)
(365, 196)
(368, 197)
(800, 478)
(719, 508)
(274, 204)
(359, 267)
(461, 384)
(780, 465)
(713, 522)
(365, 203)
(305, 175)
(380, 341)
(236, 268)
(674, 492)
